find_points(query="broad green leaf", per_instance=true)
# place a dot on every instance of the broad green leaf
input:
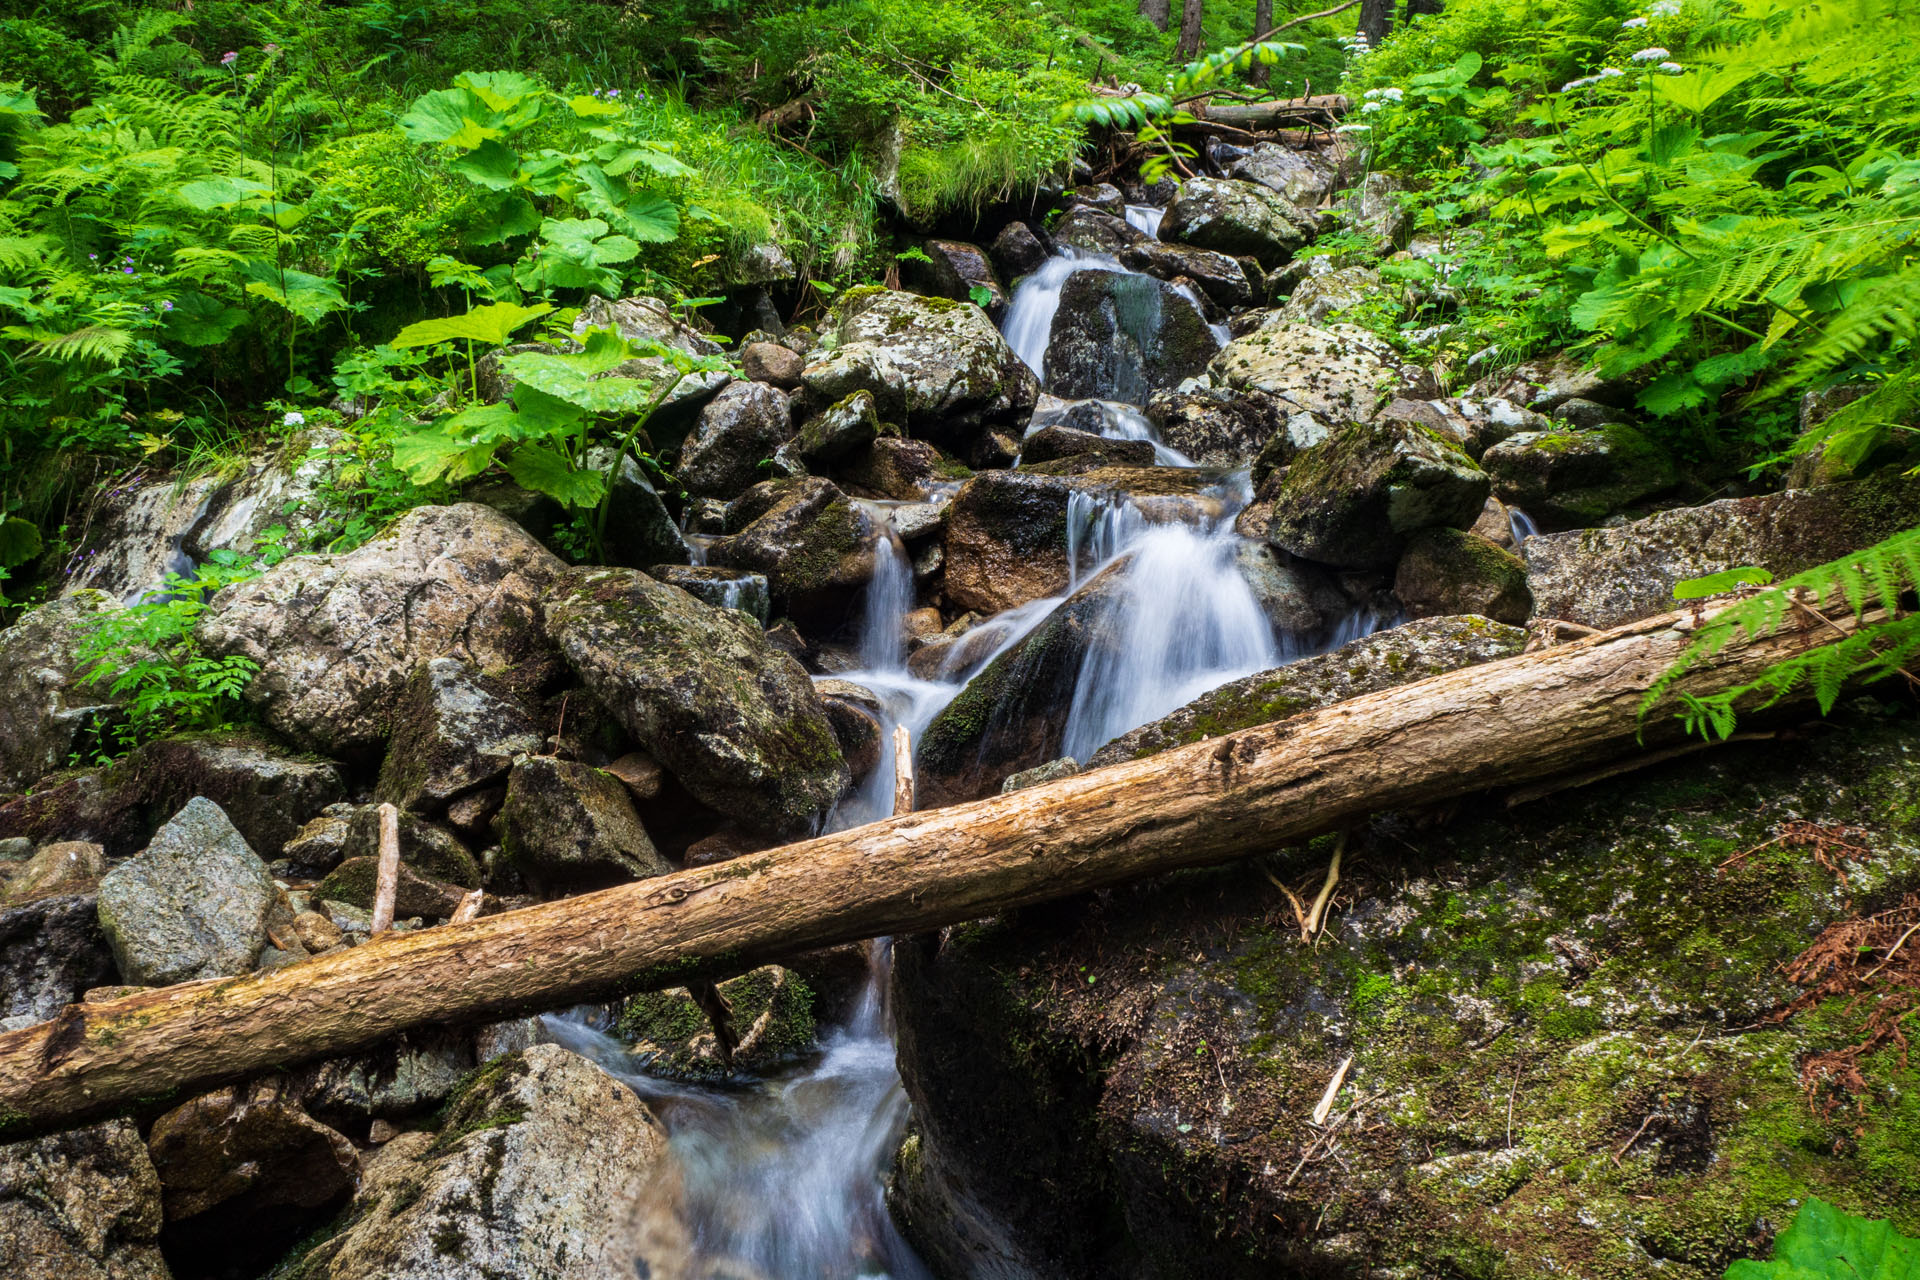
(452, 117)
(501, 90)
(309, 297)
(201, 321)
(579, 379)
(651, 219)
(1825, 1243)
(542, 416)
(651, 158)
(493, 324)
(493, 165)
(1714, 584)
(488, 424)
(511, 215)
(13, 296)
(546, 471)
(427, 456)
(587, 107)
(19, 541)
(219, 193)
(1696, 92)
(585, 240)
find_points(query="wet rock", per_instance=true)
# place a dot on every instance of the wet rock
(1218, 276)
(1338, 372)
(1354, 500)
(813, 546)
(1017, 251)
(51, 953)
(567, 822)
(640, 530)
(643, 319)
(1103, 196)
(403, 1076)
(80, 1205)
(1305, 178)
(1091, 231)
(736, 431)
(936, 367)
(455, 731)
(541, 1158)
(354, 882)
(838, 430)
(1584, 415)
(1122, 337)
(1374, 210)
(855, 713)
(1447, 571)
(1215, 428)
(1040, 775)
(773, 1017)
(1578, 477)
(1050, 444)
(773, 364)
(705, 694)
(1297, 599)
(338, 636)
(353, 831)
(903, 470)
(1321, 297)
(1235, 218)
(1477, 424)
(1401, 655)
(49, 709)
(193, 904)
(64, 867)
(286, 487)
(720, 587)
(1608, 577)
(954, 271)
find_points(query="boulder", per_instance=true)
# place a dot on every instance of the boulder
(64, 867)
(1218, 276)
(736, 431)
(839, 429)
(353, 831)
(936, 367)
(1477, 424)
(51, 953)
(80, 1205)
(568, 822)
(813, 545)
(705, 694)
(1215, 428)
(1091, 231)
(1298, 599)
(643, 319)
(1017, 251)
(192, 904)
(1236, 218)
(355, 881)
(338, 636)
(265, 790)
(49, 710)
(1609, 577)
(1373, 210)
(1353, 500)
(640, 530)
(1040, 775)
(1338, 372)
(1546, 383)
(903, 470)
(1121, 337)
(1448, 571)
(856, 714)
(455, 731)
(1578, 477)
(1103, 196)
(954, 269)
(1318, 298)
(772, 1016)
(1305, 178)
(773, 364)
(401, 1076)
(540, 1162)
(287, 487)
(134, 542)
(720, 587)
(1049, 444)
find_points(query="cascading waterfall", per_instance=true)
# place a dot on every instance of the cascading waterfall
(1145, 218)
(1520, 526)
(1029, 318)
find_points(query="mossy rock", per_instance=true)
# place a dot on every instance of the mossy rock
(1578, 477)
(773, 1016)
(1449, 571)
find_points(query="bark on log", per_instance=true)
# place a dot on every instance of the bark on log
(1515, 721)
(1320, 109)
(386, 883)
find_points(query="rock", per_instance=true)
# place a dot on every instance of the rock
(134, 542)
(338, 636)
(1353, 500)
(66, 866)
(720, 587)
(772, 1015)
(724, 845)
(640, 530)
(1374, 210)
(316, 932)
(903, 470)
(840, 429)
(1578, 477)
(1584, 415)
(51, 953)
(704, 693)
(1549, 954)
(736, 431)
(1040, 775)
(1122, 337)
(80, 1205)
(287, 487)
(1400, 655)
(764, 263)
(855, 713)
(14, 849)
(1305, 178)
(1477, 424)
(1017, 251)
(353, 831)
(1236, 218)
(954, 270)
(455, 731)
(50, 711)
(1052, 443)
(266, 791)
(193, 904)
(541, 1159)
(1214, 428)
(1545, 384)
(354, 881)
(567, 822)
(402, 1076)
(1321, 297)
(1338, 372)
(1296, 598)
(643, 319)
(813, 546)
(1087, 229)
(771, 363)
(1447, 571)
(1609, 577)
(1218, 276)
(1103, 196)
(936, 367)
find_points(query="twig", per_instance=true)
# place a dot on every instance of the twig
(1333, 1091)
(1511, 1090)
(469, 908)
(1891, 952)
(1636, 1136)
(387, 881)
(1313, 921)
(902, 770)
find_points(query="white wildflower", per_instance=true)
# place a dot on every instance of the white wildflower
(1372, 107)
(1664, 8)
(1607, 73)
(1371, 94)
(1354, 128)
(1670, 68)
(1652, 53)
(294, 418)
(1633, 23)
(1392, 95)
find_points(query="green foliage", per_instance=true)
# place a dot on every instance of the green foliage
(1714, 584)
(1825, 1243)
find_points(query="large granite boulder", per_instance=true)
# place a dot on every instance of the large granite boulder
(1450, 571)
(192, 904)
(737, 431)
(534, 1175)
(456, 731)
(1305, 178)
(80, 1205)
(51, 953)
(1578, 477)
(569, 822)
(338, 636)
(1119, 336)
(702, 691)
(640, 530)
(50, 711)
(1236, 218)
(812, 544)
(1607, 577)
(935, 366)
(1562, 1024)
(841, 428)
(1338, 372)
(1353, 500)
(1218, 428)
(265, 790)
(1091, 230)
(135, 542)
(1221, 278)
(1318, 298)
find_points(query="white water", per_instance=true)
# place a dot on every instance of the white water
(1145, 218)
(1520, 526)
(1029, 318)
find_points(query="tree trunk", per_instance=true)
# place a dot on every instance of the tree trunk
(1529, 717)
(1422, 8)
(1156, 11)
(1323, 109)
(1190, 35)
(1376, 19)
(1262, 24)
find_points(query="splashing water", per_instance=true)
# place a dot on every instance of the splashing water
(883, 640)
(1520, 526)
(1145, 218)
(1029, 319)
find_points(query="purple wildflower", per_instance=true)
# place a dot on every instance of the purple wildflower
(229, 58)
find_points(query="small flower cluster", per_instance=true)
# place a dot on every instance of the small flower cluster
(610, 95)
(1587, 82)
(1633, 24)
(294, 418)
(1652, 54)
(1389, 93)
(229, 58)
(1356, 44)
(1664, 8)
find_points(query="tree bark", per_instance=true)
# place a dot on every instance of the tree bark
(1157, 12)
(1321, 109)
(1190, 34)
(1376, 19)
(1558, 710)
(1262, 24)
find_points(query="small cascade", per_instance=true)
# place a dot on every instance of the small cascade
(883, 640)
(1145, 218)
(1114, 419)
(1520, 526)
(1029, 319)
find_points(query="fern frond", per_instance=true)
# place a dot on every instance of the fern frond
(90, 344)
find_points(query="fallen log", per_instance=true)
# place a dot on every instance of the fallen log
(1528, 717)
(1321, 109)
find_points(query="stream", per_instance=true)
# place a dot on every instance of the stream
(782, 1178)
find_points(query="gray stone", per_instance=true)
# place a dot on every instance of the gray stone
(956, 268)
(455, 731)
(265, 790)
(1546, 383)
(1103, 196)
(355, 882)
(1050, 444)
(1305, 178)
(1218, 276)
(1578, 477)
(812, 544)
(736, 431)
(1215, 428)
(1298, 600)
(1321, 297)
(244, 1151)
(773, 1017)
(1017, 251)
(1338, 372)
(51, 953)
(1374, 210)
(63, 867)
(564, 821)
(1236, 218)
(1040, 775)
(135, 541)
(1122, 337)
(640, 530)
(764, 263)
(80, 1205)
(49, 710)
(353, 831)
(839, 429)
(402, 1076)
(1088, 229)
(1448, 571)
(193, 904)
(720, 587)
(771, 363)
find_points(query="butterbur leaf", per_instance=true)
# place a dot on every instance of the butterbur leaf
(200, 321)
(219, 193)
(577, 379)
(427, 456)
(488, 424)
(588, 107)
(651, 158)
(511, 215)
(1825, 1243)
(1715, 584)
(19, 541)
(309, 297)
(451, 117)
(586, 241)
(501, 90)
(493, 165)
(492, 324)
(547, 471)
